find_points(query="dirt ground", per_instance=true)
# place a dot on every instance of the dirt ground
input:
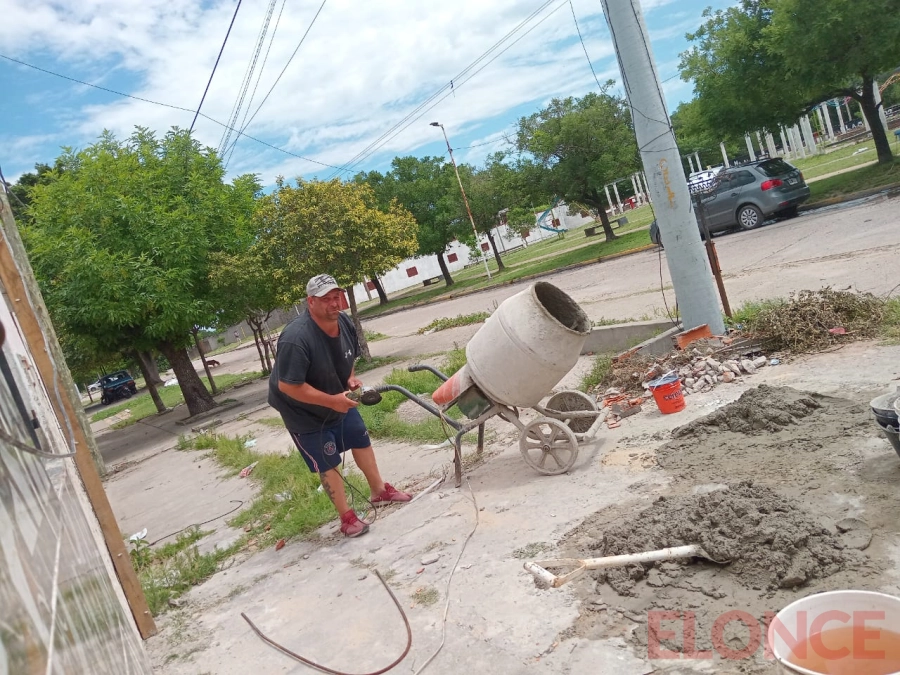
(815, 480)
(821, 468)
(793, 489)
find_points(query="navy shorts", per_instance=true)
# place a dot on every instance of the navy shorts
(321, 450)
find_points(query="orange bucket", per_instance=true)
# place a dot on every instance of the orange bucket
(667, 394)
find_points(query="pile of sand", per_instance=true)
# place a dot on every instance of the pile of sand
(769, 541)
(763, 409)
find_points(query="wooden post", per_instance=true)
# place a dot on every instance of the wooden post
(17, 279)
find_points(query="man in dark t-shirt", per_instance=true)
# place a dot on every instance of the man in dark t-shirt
(312, 374)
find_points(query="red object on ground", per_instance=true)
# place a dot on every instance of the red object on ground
(279, 545)
(839, 330)
(668, 397)
(692, 335)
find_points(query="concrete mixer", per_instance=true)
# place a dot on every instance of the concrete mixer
(520, 354)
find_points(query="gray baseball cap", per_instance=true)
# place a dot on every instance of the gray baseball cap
(321, 284)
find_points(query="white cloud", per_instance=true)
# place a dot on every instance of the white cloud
(363, 67)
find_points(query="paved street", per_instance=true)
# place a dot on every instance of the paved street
(850, 244)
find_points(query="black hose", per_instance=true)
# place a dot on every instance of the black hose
(312, 664)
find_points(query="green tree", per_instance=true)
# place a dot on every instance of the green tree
(520, 222)
(694, 133)
(335, 228)
(247, 285)
(427, 188)
(121, 239)
(489, 189)
(583, 144)
(765, 62)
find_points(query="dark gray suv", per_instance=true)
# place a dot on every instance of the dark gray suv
(748, 194)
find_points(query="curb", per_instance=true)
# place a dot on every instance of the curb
(891, 188)
(475, 291)
(831, 201)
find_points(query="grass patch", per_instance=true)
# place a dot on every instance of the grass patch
(426, 596)
(374, 336)
(873, 176)
(454, 322)
(838, 159)
(599, 371)
(473, 278)
(169, 571)
(890, 324)
(274, 422)
(142, 405)
(363, 366)
(383, 421)
(289, 503)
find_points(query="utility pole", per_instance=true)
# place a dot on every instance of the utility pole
(687, 260)
(465, 200)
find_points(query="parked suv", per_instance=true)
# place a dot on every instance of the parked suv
(748, 194)
(117, 385)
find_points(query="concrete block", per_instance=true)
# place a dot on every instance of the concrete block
(618, 338)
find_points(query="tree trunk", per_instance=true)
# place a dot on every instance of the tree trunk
(447, 278)
(604, 221)
(363, 343)
(870, 110)
(382, 296)
(257, 340)
(212, 382)
(197, 398)
(141, 359)
(148, 367)
(500, 265)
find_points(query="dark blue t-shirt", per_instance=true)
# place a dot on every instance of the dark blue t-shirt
(306, 354)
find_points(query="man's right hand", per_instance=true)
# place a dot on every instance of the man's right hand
(342, 404)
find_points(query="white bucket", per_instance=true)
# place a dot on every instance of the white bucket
(528, 345)
(842, 604)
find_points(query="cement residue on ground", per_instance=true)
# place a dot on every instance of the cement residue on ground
(763, 409)
(769, 541)
(788, 485)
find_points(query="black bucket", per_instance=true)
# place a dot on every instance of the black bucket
(893, 435)
(883, 409)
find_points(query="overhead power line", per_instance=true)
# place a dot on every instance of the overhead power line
(216, 64)
(455, 83)
(262, 69)
(277, 79)
(164, 105)
(248, 78)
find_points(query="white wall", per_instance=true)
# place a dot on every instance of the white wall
(427, 267)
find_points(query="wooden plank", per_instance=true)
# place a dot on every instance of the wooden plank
(20, 285)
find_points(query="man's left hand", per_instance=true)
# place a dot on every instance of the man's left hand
(354, 383)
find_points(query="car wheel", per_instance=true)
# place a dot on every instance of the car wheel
(126, 393)
(749, 217)
(104, 400)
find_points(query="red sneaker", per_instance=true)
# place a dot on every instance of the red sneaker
(391, 494)
(351, 525)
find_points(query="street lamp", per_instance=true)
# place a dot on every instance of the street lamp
(465, 200)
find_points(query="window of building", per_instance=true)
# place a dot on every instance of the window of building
(452, 257)
(411, 271)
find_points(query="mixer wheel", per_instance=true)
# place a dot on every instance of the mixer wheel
(548, 446)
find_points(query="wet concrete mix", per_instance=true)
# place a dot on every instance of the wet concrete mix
(793, 493)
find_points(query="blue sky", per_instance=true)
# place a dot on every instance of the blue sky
(363, 67)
